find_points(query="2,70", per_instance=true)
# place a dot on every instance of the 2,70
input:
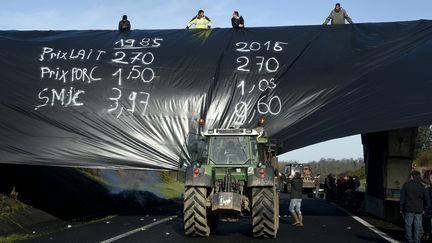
(270, 65)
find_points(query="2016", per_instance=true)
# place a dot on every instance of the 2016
(256, 46)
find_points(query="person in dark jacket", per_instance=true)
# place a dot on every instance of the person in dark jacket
(427, 216)
(237, 21)
(296, 198)
(330, 186)
(413, 202)
(124, 24)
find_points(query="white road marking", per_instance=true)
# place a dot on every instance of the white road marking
(145, 227)
(377, 231)
(369, 226)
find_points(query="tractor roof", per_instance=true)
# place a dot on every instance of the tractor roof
(231, 132)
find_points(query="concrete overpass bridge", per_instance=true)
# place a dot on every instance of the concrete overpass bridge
(108, 99)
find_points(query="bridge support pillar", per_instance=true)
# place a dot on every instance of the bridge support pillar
(388, 159)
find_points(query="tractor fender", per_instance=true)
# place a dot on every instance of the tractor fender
(200, 180)
(257, 180)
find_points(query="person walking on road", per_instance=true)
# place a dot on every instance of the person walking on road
(427, 216)
(338, 16)
(413, 202)
(200, 21)
(296, 198)
(330, 186)
(317, 182)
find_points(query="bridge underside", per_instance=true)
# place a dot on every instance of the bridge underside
(388, 159)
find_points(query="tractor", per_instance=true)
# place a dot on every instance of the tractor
(230, 177)
(306, 174)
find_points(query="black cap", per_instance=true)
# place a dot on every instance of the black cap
(124, 17)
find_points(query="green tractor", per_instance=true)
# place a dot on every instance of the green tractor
(231, 177)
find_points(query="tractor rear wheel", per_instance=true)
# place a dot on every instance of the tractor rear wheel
(195, 212)
(265, 212)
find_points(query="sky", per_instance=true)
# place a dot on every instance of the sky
(174, 14)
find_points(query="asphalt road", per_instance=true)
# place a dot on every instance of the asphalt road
(324, 222)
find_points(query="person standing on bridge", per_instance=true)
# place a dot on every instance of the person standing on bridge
(237, 21)
(296, 198)
(413, 202)
(200, 21)
(124, 24)
(338, 16)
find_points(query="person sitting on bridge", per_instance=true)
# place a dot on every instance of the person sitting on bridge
(338, 16)
(124, 24)
(237, 21)
(200, 21)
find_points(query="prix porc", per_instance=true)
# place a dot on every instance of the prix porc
(73, 74)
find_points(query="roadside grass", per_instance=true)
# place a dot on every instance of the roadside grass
(169, 186)
(171, 190)
(16, 238)
(93, 174)
(9, 206)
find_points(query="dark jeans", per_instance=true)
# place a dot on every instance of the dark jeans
(413, 219)
(427, 224)
(330, 195)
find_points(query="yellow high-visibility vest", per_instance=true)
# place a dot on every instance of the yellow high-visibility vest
(200, 23)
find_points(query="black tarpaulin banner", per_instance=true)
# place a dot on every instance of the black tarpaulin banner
(108, 99)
